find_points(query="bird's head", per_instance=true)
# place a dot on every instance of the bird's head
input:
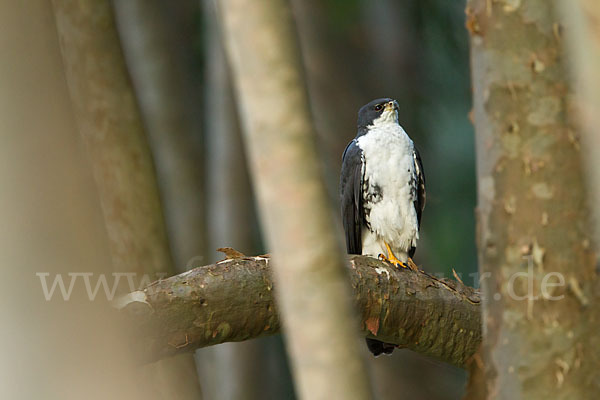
(379, 111)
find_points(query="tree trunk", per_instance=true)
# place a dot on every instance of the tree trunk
(582, 21)
(313, 286)
(51, 223)
(112, 129)
(331, 86)
(537, 265)
(230, 213)
(158, 58)
(233, 370)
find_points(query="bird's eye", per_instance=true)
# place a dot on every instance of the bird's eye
(378, 107)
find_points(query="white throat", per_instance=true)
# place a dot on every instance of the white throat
(386, 117)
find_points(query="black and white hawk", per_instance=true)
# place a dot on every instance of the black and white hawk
(382, 189)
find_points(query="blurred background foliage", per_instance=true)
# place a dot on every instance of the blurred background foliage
(415, 51)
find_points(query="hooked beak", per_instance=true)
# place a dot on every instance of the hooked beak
(392, 106)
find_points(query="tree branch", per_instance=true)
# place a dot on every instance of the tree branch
(232, 301)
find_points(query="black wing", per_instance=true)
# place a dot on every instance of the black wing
(351, 197)
(421, 195)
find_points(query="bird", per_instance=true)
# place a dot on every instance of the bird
(382, 192)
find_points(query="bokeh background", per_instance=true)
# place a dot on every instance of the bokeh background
(353, 51)
(415, 51)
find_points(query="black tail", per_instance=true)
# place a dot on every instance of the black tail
(377, 348)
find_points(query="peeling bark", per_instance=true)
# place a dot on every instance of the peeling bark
(532, 211)
(232, 300)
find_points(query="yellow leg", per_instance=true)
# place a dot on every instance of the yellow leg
(394, 260)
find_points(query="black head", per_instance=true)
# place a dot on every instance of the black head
(375, 109)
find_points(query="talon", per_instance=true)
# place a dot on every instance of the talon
(393, 259)
(411, 265)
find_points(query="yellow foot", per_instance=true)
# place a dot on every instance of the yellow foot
(391, 258)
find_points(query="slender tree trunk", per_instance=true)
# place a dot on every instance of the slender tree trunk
(233, 370)
(230, 213)
(538, 268)
(112, 129)
(582, 33)
(333, 92)
(51, 224)
(313, 289)
(157, 56)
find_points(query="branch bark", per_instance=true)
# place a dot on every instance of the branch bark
(232, 300)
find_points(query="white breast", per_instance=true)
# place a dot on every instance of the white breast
(389, 164)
